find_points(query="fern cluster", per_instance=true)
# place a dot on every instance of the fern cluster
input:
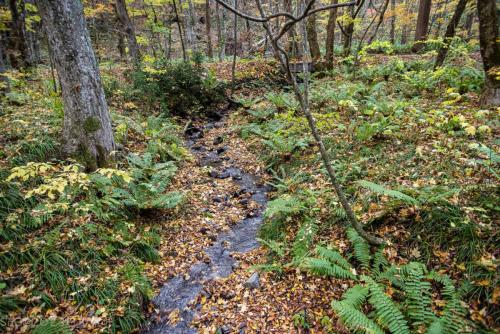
(410, 312)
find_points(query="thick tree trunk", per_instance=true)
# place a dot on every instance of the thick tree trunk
(133, 47)
(190, 22)
(489, 16)
(450, 32)
(392, 33)
(87, 132)
(210, 52)
(424, 10)
(330, 35)
(312, 38)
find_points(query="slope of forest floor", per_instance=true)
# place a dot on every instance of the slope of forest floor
(393, 122)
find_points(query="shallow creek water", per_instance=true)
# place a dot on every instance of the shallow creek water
(179, 292)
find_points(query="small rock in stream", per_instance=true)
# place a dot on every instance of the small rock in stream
(253, 282)
(218, 140)
(222, 149)
(213, 173)
(223, 330)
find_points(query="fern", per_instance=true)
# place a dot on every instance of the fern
(356, 296)
(386, 311)
(388, 192)
(361, 248)
(354, 319)
(284, 205)
(50, 326)
(418, 295)
(326, 268)
(333, 256)
(304, 238)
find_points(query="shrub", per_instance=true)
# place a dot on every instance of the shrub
(179, 88)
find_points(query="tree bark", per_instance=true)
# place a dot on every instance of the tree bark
(489, 16)
(312, 38)
(181, 35)
(450, 32)
(349, 31)
(392, 33)
(380, 20)
(4, 81)
(330, 35)
(221, 42)
(87, 132)
(122, 14)
(424, 10)
(210, 52)
(19, 43)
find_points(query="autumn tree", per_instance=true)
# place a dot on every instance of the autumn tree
(489, 16)
(87, 132)
(424, 10)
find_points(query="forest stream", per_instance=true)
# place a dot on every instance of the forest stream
(181, 291)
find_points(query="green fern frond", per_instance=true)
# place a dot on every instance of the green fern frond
(361, 248)
(388, 192)
(386, 310)
(50, 326)
(326, 268)
(354, 319)
(380, 262)
(304, 238)
(418, 295)
(356, 296)
(333, 256)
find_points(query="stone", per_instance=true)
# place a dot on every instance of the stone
(253, 282)
(218, 140)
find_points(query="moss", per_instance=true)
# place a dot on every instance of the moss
(86, 158)
(92, 124)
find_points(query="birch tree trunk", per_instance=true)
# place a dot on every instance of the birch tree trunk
(122, 14)
(424, 10)
(87, 132)
(489, 25)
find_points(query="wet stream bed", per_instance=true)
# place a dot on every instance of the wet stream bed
(181, 293)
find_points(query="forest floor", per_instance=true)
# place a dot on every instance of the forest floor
(415, 132)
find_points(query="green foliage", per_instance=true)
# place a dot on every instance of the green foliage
(361, 248)
(52, 327)
(176, 87)
(407, 309)
(388, 192)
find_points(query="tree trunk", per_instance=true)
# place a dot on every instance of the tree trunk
(424, 10)
(4, 81)
(87, 132)
(450, 32)
(312, 38)
(181, 35)
(380, 20)
(489, 16)
(330, 35)
(392, 33)
(18, 41)
(221, 42)
(122, 14)
(190, 23)
(210, 52)
(468, 25)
